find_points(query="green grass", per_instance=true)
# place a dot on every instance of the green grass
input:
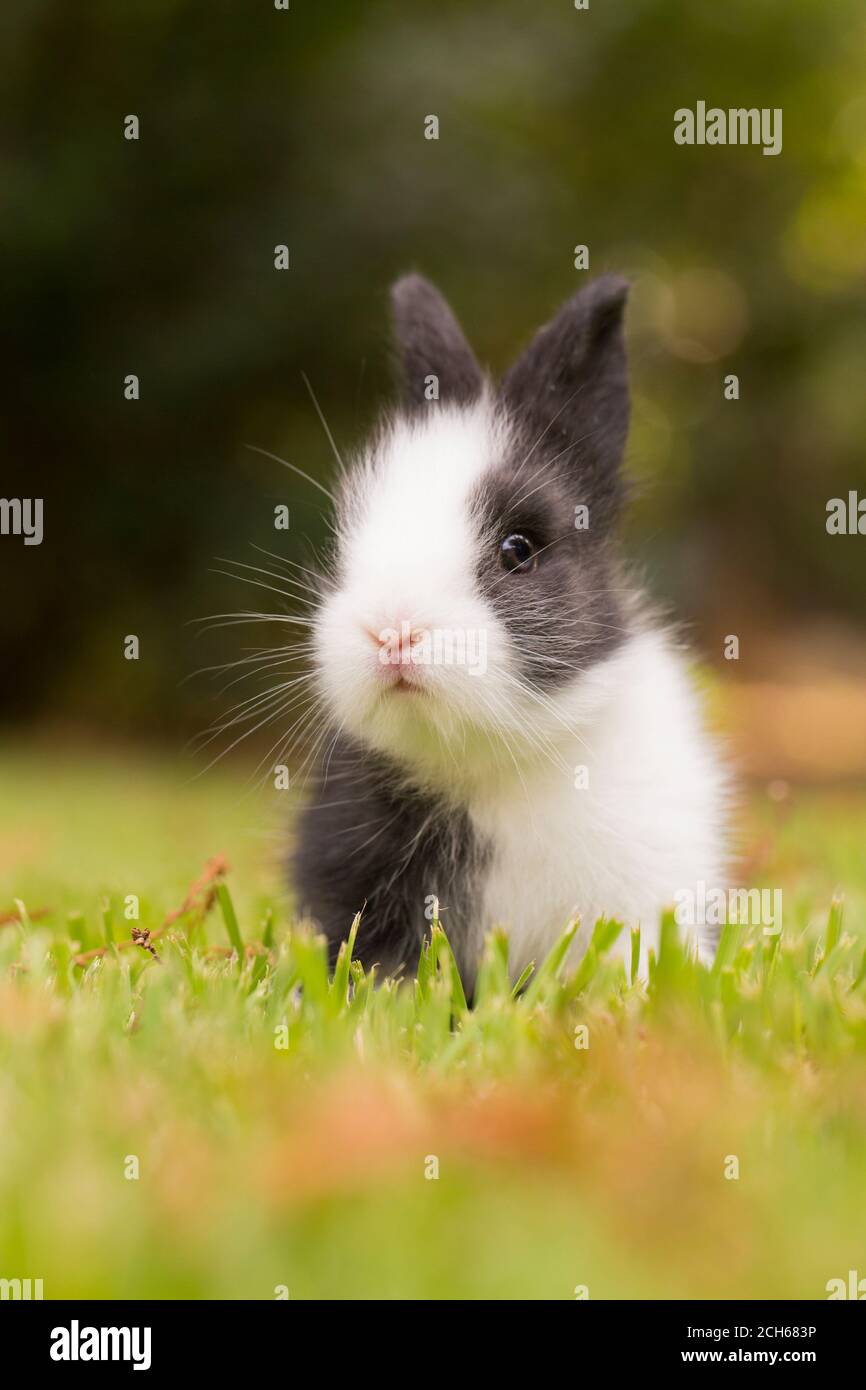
(284, 1122)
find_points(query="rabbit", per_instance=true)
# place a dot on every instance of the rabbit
(513, 738)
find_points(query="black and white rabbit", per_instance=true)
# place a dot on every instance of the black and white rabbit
(511, 733)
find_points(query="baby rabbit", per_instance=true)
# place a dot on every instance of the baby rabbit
(511, 732)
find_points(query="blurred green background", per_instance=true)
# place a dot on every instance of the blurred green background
(306, 127)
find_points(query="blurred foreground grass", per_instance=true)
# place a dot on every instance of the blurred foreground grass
(284, 1125)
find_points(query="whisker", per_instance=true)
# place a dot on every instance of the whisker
(325, 425)
(257, 583)
(266, 453)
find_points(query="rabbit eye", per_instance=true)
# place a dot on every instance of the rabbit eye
(518, 553)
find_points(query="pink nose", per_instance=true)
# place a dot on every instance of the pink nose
(395, 642)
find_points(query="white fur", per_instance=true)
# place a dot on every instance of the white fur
(651, 820)
(408, 553)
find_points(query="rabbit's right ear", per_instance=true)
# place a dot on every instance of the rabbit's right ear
(570, 385)
(437, 361)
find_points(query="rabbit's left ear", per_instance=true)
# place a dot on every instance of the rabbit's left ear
(571, 383)
(431, 345)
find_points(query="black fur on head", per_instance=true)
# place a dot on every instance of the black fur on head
(570, 389)
(567, 400)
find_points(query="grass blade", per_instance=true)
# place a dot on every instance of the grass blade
(231, 922)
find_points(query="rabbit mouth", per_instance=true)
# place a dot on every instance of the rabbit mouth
(403, 685)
